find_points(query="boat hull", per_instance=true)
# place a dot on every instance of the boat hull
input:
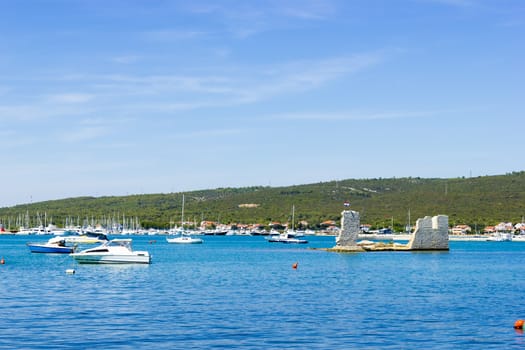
(139, 258)
(288, 240)
(185, 240)
(42, 248)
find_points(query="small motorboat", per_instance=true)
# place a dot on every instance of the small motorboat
(184, 239)
(56, 245)
(286, 238)
(115, 251)
(86, 238)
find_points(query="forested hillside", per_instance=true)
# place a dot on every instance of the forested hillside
(475, 201)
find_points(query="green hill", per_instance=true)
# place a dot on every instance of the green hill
(475, 201)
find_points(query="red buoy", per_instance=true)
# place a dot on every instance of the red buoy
(2, 261)
(294, 266)
(519, 324)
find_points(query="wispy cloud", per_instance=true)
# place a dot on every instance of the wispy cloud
(460, 3)
(172, 35)
(133, 95)
(84, 134)
(71, 98)
(26, 113)
(226, 87)
(88, 129)
(354, 115)
(307, 10)
(305, 75)
(126, 59)
(208, 133)
(247, 19)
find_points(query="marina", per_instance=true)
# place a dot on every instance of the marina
(222, 294)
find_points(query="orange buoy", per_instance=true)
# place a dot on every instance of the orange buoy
(2, 261)
(294, 266)
(519, 324)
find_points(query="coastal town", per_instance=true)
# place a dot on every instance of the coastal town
(503, 231)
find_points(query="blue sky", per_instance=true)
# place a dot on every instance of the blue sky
(126, 97)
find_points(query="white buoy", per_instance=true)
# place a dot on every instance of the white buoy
(70, 271)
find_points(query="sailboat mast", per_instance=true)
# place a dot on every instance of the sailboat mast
(293, 217)
(182, 215)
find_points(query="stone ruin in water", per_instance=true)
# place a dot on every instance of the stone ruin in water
(348, 235)
(431, 233)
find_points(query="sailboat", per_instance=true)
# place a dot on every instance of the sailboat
(183, 237)
(289, 235)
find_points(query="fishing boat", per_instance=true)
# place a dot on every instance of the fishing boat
(55, 245)
(116, 251)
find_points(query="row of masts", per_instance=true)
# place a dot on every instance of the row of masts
(116, 222)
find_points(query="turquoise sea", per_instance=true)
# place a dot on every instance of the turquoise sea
(241, 292)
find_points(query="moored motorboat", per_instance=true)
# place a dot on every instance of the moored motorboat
(86, 238)
(116, 251)
(500, 237)
(285, 238)
(289, 235)
(56, 245)
(184, 239)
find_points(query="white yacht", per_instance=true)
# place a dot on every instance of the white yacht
(184, 239)
(116, 251)
(285, 238)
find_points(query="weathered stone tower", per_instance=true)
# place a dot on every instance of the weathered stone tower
(350, 228)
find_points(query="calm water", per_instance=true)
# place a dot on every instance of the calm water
(241, 292)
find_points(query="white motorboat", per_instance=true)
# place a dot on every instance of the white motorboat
(500, 237)
(184, 239)
(285, 238)
(518, 238)
(289, 235)
(85, 238)
(116, 251)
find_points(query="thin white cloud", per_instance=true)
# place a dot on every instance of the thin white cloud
(306, 10)
(24, 113)
(457, 3)
(172, 35)
(354, 115)
(133, 95)
(71, 98)
(126, 59)
(246, 19)
(226, 87)
(250, 84)
(305, 75)
(84, 134)
(206, 133)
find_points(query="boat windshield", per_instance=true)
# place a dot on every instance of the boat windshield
(120, 243)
